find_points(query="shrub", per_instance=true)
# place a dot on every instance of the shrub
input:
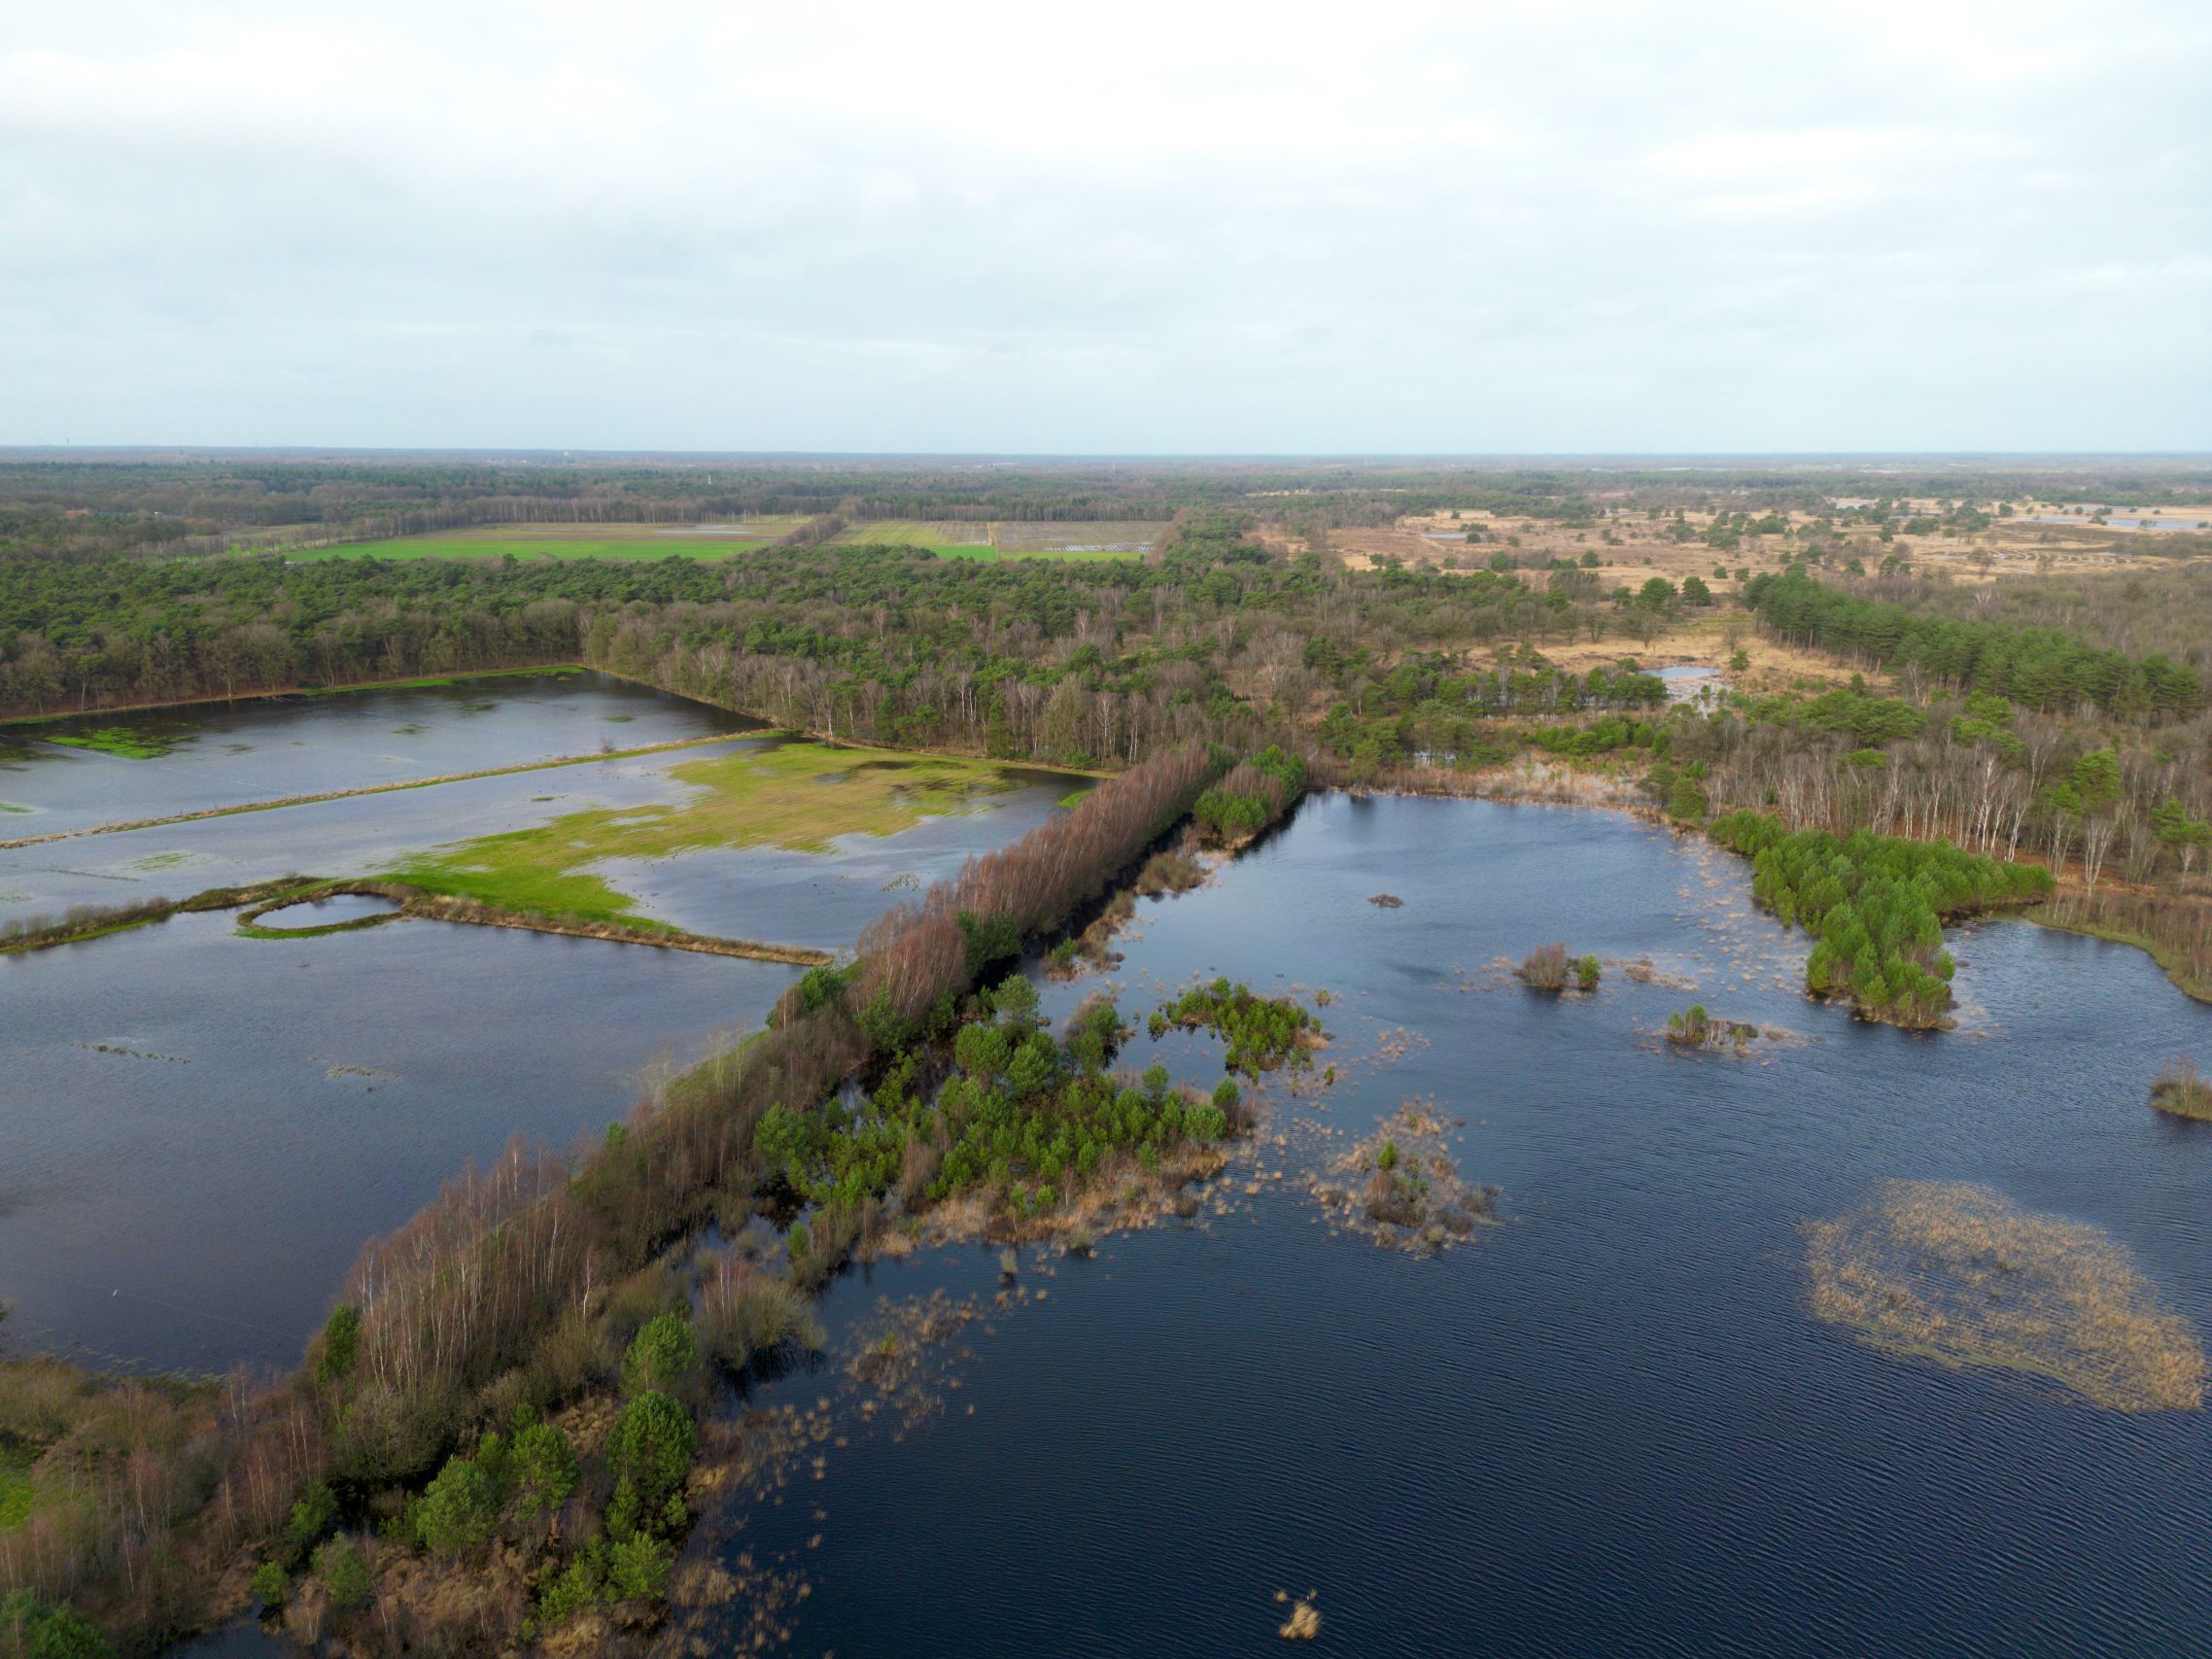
(344, 1574)
(638, 1568)
(982, 1051)
(650, 1447)
(544, 1464)
(44, 1630)
(1587, 970)
(1544, 968)
(746, 1312)
(341, 1339)
(575, 1589)
(459, 1509)
(664, 1356)
(272, 1585)
(310, 1518)
(782, 1140)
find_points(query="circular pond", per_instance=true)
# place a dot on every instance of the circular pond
(331, 912)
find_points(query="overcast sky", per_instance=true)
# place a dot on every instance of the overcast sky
(1183, 226)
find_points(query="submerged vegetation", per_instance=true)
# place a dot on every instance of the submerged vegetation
(1401, 1188)
(129, 743)
(1955, 1273)
(1877, 905)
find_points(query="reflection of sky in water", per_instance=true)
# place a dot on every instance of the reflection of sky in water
(764, 893)
(270, 748)
(193, 1191)
(1606, 1426)
(351, 837)
(822, 898)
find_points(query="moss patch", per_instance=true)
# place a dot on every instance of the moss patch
(795, 795)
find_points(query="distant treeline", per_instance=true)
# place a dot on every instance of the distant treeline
(168, 504)
(2039, 667)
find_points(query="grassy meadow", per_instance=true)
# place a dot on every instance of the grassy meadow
(948, 538)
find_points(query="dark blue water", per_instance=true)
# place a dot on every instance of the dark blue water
(202, 1129)
(1607, 1427)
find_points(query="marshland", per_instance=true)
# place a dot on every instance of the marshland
(1148, 1034)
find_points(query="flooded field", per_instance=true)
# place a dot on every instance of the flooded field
(206, 1126)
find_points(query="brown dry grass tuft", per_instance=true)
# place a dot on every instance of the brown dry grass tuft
(1955, 1273)
(1544, 968)
(2180, 1088)
(1401, 1186)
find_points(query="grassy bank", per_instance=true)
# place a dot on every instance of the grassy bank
(268, 897)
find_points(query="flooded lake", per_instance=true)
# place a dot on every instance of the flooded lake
(267, 748)
(1608, 1426)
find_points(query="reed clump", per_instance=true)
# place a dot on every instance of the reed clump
(1544, 968)
(1953, 1272)
(2181, 1090)
(1401, 1186)
(746, 1312)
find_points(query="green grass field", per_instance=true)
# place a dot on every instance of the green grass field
(571, 541)
(952, 539)
(957, 539)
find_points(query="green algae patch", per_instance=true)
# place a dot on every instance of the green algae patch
(127, 741)
(800, 796)
(1953, 1272)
